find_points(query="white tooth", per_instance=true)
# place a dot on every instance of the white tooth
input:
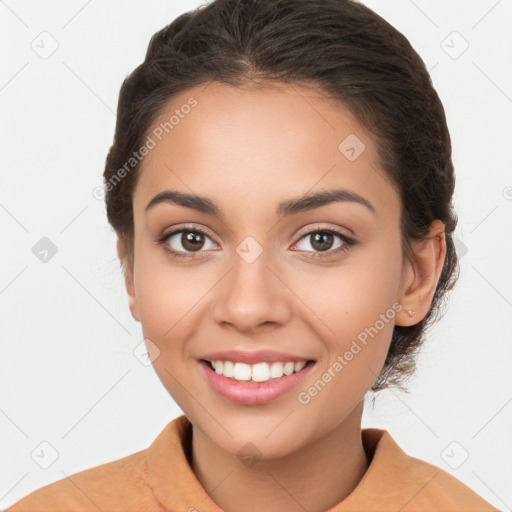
(288, 368)
(227, 371)
(276, 370)
(242, 371)
(260, 372)
(299, 366)
(218, 367)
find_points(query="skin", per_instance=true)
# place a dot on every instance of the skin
(249, 149)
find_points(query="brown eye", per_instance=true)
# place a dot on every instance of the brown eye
(192, 241)
(186, 242)
(322, 241)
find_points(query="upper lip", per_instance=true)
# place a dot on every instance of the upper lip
(252, 356)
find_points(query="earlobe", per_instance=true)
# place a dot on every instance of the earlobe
(128, 274)
(421, 275)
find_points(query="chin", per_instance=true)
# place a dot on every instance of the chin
(267, 437)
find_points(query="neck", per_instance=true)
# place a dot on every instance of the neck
(315, 478)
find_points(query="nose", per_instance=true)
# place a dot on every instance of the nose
(252, 295)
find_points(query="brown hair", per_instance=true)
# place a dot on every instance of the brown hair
(346, 50)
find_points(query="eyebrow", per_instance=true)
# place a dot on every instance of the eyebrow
(284, 209)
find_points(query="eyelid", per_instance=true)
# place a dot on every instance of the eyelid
(187, 227)
(162, 239)
(347, 240)
(299, 235)
(319, 227)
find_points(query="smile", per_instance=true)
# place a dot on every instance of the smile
(254, 384)
(259, 372)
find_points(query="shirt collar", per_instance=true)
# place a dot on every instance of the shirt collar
(176, 487)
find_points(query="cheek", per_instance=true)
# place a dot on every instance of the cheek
(355, 308)
(350, 297)
(167, 297)
(354, 357)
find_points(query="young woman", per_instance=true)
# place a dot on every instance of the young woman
(281, 185)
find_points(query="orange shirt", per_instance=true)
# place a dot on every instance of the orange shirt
(160, 478)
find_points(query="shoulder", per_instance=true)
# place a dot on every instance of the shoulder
(398, 481)
(121, 485)
(116, 485)
(441, 490)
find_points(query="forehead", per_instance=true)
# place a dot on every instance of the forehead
(260, 145)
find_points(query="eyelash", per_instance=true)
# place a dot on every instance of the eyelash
(347, 242)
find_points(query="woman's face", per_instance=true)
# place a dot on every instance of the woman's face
(268, 280)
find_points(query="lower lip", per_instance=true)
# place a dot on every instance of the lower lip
(253, 393)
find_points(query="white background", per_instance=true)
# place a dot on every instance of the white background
(68, 374)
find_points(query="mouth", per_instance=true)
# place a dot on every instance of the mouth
(254, 384)
(259, 372)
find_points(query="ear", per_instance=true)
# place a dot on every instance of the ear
(128, 271)
(420, 276)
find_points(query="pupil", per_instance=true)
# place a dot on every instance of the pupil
(191, 241)
(322, 241)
